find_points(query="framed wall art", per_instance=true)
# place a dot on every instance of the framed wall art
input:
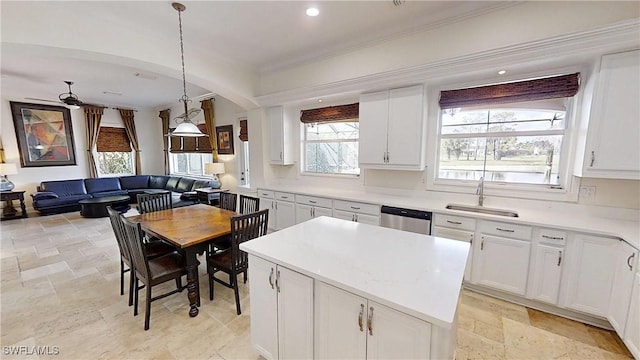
(224, 134)
(45, 134)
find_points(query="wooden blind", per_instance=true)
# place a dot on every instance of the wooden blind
(529, 90)
(244, 131)
(180, 144)
(111, 139)
(331, 114)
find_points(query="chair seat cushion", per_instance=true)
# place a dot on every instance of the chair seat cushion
(166, 266)
(221, 260)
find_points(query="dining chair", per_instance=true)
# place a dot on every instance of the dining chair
(154, 202)
(228, 201)
(151, 272)
(234, 261)
(153, 249)
(248, 204)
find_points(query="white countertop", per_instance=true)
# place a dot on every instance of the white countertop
(416, 274)
(598, 220)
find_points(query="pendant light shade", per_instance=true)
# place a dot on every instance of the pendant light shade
(186, 128)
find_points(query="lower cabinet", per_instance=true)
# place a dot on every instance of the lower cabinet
(282, 209)
(351, 327)
(358, 212)
(281, 311)
(589, 275)
(461, 235)
(625, 270)
(546, 266)
(632, 331)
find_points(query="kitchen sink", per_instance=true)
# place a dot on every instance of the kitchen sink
(483, 210)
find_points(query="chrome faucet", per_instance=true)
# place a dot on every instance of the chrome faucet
(480, 191)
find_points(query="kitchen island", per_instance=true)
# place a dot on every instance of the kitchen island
(330, 288)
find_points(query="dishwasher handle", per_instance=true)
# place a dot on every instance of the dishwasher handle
(410, 213)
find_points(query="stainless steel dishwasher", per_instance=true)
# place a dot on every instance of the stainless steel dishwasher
(416, 221)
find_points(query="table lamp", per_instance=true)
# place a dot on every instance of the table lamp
(214, 169)
(7, 169)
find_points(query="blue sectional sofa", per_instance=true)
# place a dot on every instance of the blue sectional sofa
(63, 195)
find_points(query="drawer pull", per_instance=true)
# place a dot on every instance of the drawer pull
(629, 261)
(355, 208)
(552, 237)
(559, 257)
(505, 230)
(360, 317)
(482, 244)
(313, 201)
(284, 197)
(454, 222)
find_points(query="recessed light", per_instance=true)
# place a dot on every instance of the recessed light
(313, 11)
(502, 72)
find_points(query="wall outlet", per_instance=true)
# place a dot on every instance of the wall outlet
(587, 192)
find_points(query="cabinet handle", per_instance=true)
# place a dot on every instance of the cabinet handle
(313, 211)
(384, 157)
(360, 317)
(280, 155)
(482, 244)
(271, 278)
(559, 257)
(629, 261)
(355, 207)
(471, 239)
(387, 157)
(552, 237)
(593, 158)
(278, 280)
(370, 321)
(356, 215)
(505, 230)
(276, 205)
(454, 222)
(312, 201)
(353, 217)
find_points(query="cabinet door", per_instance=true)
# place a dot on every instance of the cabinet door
(295, 314)
(367, 219)
(264, 309)
(590, 269)
(341, 322)
(625, 269)
(632, 331)
(271, 205)
(547, 271)
(276, 128)
(614, 133)
(395, 335)
(457, 235)
(502, 263)
(318, 211)
(406, 127)
(303, 213)
(374, 112)
(286, 214)
(344, 215)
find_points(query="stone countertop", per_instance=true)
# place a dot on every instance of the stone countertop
(604, 221)
(363, 259)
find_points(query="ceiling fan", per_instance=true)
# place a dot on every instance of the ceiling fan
(70, 99)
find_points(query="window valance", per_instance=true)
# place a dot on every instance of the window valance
(112, 139)
(331, 114)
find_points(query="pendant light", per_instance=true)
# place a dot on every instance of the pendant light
(186, 127)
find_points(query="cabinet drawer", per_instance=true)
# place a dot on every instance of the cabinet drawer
(269, 194)
(313, 201)
(285, 196)
(357, 207)
(552, 236)
(507, 230)
(455, 222)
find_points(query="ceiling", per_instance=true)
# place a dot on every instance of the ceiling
(260, 35)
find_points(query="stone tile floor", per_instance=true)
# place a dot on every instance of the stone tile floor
(59, 291)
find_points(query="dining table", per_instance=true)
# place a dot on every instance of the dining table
(191, 229)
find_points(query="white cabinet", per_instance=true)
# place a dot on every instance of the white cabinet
(546, 266)
(281, 207)
(590, 268)
(502, 262)
(625, 270)
(632, 332)
(456, 228)
(281, 311)
(280, 131)
(613, 142)
(352, 327)
(309, 207)
(392, 129)
(358, 212)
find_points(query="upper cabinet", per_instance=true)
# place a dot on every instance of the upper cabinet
(392, 129)
(613, 141)
(281, 152)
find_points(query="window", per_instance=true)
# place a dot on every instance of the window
(189, 163)
(510, 133)
(331, 148)
(330, 143)
(243, 153)
(114, 152)
(503, 144)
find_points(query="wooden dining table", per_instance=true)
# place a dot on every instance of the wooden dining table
(192, 229)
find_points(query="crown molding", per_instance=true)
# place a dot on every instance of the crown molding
(575, 46)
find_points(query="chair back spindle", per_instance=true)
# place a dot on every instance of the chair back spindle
(228, 201)
(134, 240)
(154, 202)
(248, 204)
(244, 228)
(119, 231)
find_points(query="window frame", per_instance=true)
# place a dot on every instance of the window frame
(173, 165)
(97, 153)
(303, 151)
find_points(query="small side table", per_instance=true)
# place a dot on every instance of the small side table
(9, 212)
(207, 195)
